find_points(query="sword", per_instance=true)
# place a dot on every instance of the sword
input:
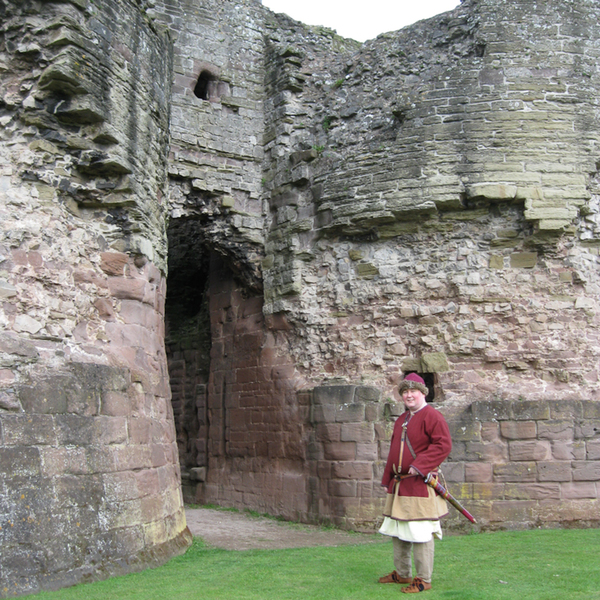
(439, 489)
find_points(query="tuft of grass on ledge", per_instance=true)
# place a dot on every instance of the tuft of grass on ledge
(522, 565)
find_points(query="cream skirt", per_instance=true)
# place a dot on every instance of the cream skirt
(411, 531)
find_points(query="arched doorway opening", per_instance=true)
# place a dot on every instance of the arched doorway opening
(188, 343)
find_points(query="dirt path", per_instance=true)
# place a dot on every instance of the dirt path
(240, 531)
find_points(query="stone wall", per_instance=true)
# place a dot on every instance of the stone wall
(256, 427)
(528, 463)
(514, 464)
(491, 107)
(274, 224)
(215, 202)
(89, 474)
(415, 209)
(350, 432)
(216, 153)
(429, 203)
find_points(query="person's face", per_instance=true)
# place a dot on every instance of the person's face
(413, 399)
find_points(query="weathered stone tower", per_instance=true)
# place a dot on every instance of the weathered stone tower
(226, 235)
(89, 475)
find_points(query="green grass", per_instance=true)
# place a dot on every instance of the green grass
(525, 565)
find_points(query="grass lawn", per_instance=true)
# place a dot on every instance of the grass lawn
(526, 565)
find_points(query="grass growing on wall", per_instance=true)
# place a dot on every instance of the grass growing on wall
(525, 565)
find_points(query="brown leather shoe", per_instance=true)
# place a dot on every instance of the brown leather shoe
(393, 577)
(417, 585)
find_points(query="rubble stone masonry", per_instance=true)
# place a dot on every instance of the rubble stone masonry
(89, 475)
(226, 236)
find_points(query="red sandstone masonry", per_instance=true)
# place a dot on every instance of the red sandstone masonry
(567, 511)
(350, 413)
(132, 457)
(490, 432)
(518, 430)
(554, 471)
(493, 452)
(533, 491)
(128, 289)
(357, 432)
(346, 489)
(546, 467)
(529, 450)
(259, 419)
(579, 490)
(340, 451)
(562, 450)
(114, 263)
(514, 511)
(72, 461)
(555, 430)
(593, 450)
(478, 472)
(354, 470)
(517, 356)
(367, 452)
(586, 470)
(511, 369)
(329, 432)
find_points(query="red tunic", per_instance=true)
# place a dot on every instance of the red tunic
(430, 439)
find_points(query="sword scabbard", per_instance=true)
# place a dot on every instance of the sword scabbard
(439, 489)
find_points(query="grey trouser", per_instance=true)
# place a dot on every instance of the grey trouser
(423, 554)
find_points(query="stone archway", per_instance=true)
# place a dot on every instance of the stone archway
(242, 436)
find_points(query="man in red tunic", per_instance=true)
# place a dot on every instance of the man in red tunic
(420, 443)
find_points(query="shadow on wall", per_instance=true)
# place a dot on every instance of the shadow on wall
(188, 343)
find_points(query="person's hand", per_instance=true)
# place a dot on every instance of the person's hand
(412, 471)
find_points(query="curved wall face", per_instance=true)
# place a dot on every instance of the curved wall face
(445, 205)
(241, 435)
(89, 476)
(436, 203)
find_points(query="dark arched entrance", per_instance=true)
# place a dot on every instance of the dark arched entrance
(188, 342)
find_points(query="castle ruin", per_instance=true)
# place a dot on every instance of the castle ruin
(225, 236)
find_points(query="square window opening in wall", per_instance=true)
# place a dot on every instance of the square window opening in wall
(206, 86)
(430, 381)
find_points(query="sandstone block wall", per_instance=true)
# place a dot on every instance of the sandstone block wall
(526, 463)
(256, 428)
(347, 452)
(225, 387)
(428, 204)
(410, 196)
(89, 473)
(513, 464)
